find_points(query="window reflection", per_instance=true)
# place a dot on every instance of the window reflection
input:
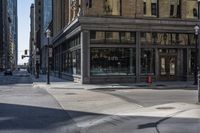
(113, 61)
(109, 37)
(155, 38)
(147, 61)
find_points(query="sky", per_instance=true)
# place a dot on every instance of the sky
(23, 28)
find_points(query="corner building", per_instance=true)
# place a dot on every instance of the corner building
(99, 41)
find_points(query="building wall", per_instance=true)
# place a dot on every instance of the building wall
(8, 29)
(118, 23)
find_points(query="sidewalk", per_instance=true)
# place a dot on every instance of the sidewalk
(61, 83)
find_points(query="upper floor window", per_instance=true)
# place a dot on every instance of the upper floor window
(191, 10)
(150, 7)
(175, 8)
(112, 7)
(89, 3)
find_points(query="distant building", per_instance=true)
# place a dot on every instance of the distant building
(43, 19)
(8, 34)
(32, 47)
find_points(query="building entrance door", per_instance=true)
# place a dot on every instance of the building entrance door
(168, 67)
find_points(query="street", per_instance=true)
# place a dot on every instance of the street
(27, 108)
(24, 109)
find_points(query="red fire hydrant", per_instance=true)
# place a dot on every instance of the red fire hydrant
(149, 79)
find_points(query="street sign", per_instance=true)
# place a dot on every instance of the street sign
(37, 58)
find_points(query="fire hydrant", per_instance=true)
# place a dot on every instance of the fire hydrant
(149, 79)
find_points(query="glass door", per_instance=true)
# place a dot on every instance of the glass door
(168, 67)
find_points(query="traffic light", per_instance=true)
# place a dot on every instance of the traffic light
(25, 52)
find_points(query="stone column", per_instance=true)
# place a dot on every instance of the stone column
(85, 57)
(69, 12)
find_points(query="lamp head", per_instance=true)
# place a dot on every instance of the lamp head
(48, 33)
(196, 29)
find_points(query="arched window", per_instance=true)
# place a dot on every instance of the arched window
(194, 12)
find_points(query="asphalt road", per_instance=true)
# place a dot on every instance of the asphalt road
(24, 109)
(152, 97)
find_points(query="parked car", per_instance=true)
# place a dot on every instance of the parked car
(8, 72)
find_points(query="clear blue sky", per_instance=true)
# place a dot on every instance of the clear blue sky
(23, 28)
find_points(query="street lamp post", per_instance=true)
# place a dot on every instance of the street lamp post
(196, 29)
(48, 35)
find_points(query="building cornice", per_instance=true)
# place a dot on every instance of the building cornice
(124, 24)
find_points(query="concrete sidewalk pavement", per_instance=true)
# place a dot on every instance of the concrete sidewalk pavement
(61, 83)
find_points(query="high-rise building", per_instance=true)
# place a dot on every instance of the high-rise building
(8, 34)
(43, 19)
(32, 46)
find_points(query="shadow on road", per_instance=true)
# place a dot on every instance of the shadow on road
(21, 117)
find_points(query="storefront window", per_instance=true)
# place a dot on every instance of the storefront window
(148, 38)
(192, 61)
(113, 61)
(191, 39)
(97, 36)
(112, 37)
(147, 61)
(109, 37)
(128, 37)
(72, 62)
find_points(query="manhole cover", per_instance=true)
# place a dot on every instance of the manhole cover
(165, 108)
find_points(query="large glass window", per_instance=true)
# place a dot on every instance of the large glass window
(99, 37)
(128, 37)
(112, 37)
(192, 61)
(175, 8)
(113, 61)
(148, 38)
(112, 7)
(150, 7)
(71, 62)
(147, 61)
